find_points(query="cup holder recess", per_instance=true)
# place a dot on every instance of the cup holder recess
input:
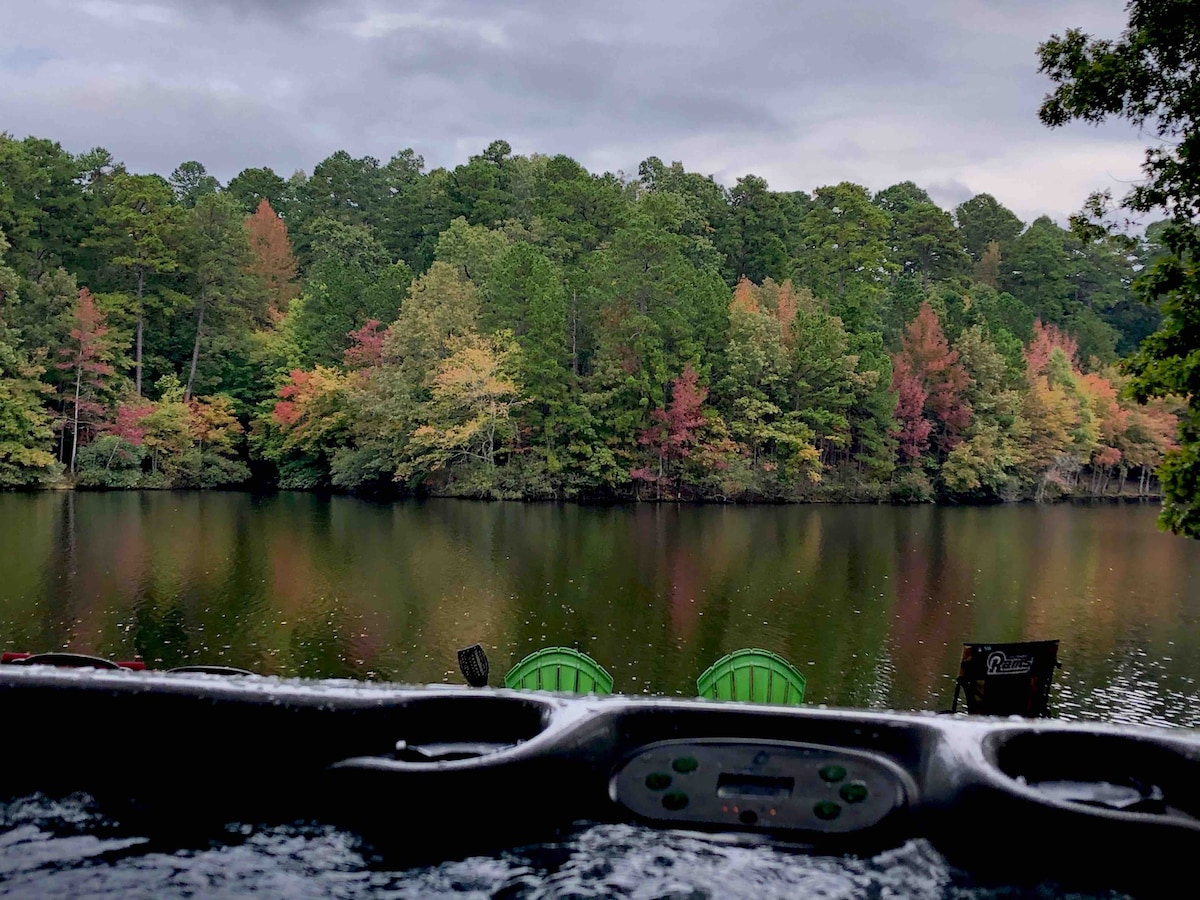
(1114, 773)
(442, 729)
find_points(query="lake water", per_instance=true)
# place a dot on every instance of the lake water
(871, 602)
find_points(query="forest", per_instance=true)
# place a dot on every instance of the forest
(519, 327)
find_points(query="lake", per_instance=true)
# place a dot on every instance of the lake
(872, 603)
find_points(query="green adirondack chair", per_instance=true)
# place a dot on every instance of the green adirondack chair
(559, 669)
(752, 676)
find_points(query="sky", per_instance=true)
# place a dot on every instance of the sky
(801, 92)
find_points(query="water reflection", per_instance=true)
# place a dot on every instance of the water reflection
(871, 602)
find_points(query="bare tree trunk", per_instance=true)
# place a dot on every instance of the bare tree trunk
(137, 352)
(574, 334)
(75, 435)
(187, 391)
(62, 436)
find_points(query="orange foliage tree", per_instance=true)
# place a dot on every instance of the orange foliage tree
(271, 261)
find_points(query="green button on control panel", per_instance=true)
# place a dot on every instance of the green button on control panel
(658, 781)
(854, 792)
(832, 773)
(826, 810)
(685, 765)
(675, 800)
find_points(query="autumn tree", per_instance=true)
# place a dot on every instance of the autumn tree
(305, 427)
(987, 269)
(86, 357)
(930, 385)
(985, 464)
(467, 415)
(271, 264)
(674, 431)
(384, 405)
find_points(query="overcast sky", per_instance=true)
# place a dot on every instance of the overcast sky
(801, 92)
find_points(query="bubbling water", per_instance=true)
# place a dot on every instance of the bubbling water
(68, 848)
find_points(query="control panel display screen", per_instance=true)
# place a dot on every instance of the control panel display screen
(733, 785)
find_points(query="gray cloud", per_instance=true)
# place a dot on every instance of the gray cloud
(941, 92)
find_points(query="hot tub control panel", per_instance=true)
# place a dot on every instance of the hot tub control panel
(760, 786)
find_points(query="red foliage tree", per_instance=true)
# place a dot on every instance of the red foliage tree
(910, 411)
(130, 423)
(1041, 345)
(271, 259)
(926, 364)
(86, 355)
(366, 346)
(674, 430)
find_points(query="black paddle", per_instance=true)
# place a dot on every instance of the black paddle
(473, 663)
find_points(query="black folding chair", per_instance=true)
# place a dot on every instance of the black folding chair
(1006, 679)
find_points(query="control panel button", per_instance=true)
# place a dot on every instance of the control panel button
(674, 800)
(854, 792)
(685, 765)
(832, 773)
(658, 781)
(826, 810)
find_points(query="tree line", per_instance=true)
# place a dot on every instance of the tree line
(517, 326)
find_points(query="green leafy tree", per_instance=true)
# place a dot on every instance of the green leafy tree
(190, 181)
(44, 209)
(218, 254)
(9, 285)
(472, 249)
(347, 261)
(983, 220)
(843, 254)
(480, 189)
(25, 426)
(527, 297)
(577, 211)
(250, 187)
(139, 232)
(1148, 77)
(922, 238)
(754, 236)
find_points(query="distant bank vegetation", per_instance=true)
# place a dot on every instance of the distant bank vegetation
(520, 327)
